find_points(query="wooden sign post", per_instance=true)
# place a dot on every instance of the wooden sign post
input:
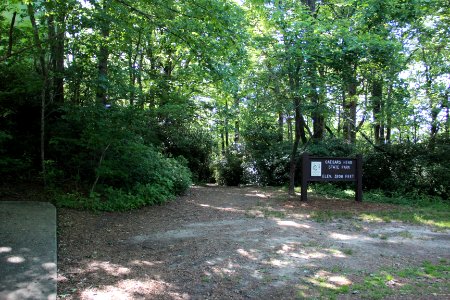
(331, 169)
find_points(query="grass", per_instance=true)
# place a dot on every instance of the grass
(422, 281)
(406, 234)
(322, 216)
(273, 213)
(413, 208)
(427, 279)
(347, 251)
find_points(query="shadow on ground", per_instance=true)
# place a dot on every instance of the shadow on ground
(232, 243)
(27, 250)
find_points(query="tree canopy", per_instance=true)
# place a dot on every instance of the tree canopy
(131, 100)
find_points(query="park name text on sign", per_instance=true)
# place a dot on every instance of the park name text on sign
(326, 169)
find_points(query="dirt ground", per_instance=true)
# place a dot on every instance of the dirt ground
(233, 243)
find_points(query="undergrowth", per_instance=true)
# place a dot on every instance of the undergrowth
(424, 280)
(411, 208)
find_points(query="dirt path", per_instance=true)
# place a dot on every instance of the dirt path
(232, 243)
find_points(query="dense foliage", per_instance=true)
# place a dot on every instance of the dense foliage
(115, 104)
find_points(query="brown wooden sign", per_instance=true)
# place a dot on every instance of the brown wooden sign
(331, 169)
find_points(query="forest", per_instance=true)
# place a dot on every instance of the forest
(117, 104)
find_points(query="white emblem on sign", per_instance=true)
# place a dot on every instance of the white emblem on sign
(316, 168)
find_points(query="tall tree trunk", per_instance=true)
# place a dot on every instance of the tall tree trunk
(56, 34)
(139, 79)
(377, 95)
(317, 115)
(222, 140)
(227, 142)
(290, 134)
(299, 135)
(132, 67)
(293, 159)
(280, 112)
(446, 105)
(280, 126)
(388, 115)
(74, 82)
(131, 74)
(317, 118)
(103, 54)
(434, 109)
(11, 34)
(152, 59)
(44, 74)
(349, 112)
(236, 122)
(52, 61)
(59, 58)
(311, 5)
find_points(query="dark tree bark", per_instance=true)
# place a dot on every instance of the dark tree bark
(349, 111)
(300, 125)
(227, 142)
(44, 74)
(299, 135)
(317, 115)
(237, 133)
(151, 99)
(290, 134)
(10, 37)
(445, 105)
(103, 54)
(313, 73)
(56, 27)
(134, 71)
(311, 5)
(139, 79)
(222, 140)
(59, 60)
(388, 115)
(434, 109)
(377, 96)
(280, 126)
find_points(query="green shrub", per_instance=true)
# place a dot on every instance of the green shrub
(333, 147)
(108, 153)
(11, 167)
(19, 120)
(409, 168)
(194, 145)
(228, 169)
(267, 165)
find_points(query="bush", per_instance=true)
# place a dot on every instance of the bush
(409, 168)
(228, 169)
(268, 167)
(106, 152)
(11, 167)
(331, 147)
(130, 164)
(194, 145)
(19, 120)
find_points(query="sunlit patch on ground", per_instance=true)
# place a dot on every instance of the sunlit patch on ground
(247, 254)
(236, 243)
(5, 249)
(15, 259)
(293, 224)
(109, 268)
(132, 289)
